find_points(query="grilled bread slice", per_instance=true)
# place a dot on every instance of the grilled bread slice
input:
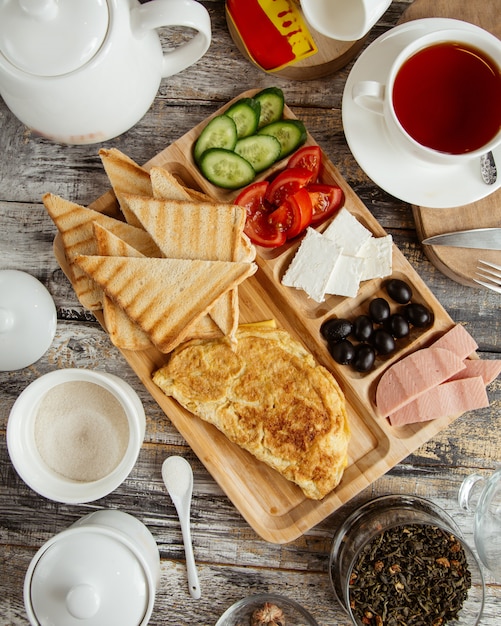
(123, 332)
(164, 296)
(196, 230)
(75, 224)
(191, 230)
(268, 396)
(125, 175)
(165, 186)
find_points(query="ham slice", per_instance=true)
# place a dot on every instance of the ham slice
(488, 370)
(457, 340)
(448, 399)
(414, 375)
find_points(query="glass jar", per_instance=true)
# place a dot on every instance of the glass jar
(370, 521)
(483, 496)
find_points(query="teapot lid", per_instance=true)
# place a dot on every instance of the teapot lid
(52, 37)
(87, 577)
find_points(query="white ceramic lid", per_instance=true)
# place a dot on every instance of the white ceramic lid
(87, 576)
(52, 37)
(28, 320)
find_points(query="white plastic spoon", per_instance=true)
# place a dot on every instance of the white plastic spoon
(178, 478)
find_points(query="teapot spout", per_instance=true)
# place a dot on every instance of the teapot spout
(39, 9)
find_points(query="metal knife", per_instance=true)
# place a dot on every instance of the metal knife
(482, 238)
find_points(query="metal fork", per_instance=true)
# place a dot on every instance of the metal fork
(490, 272)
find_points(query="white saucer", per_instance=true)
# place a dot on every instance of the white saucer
(400, 174)
(27, 320)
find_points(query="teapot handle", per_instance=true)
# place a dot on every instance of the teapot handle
(188, 13)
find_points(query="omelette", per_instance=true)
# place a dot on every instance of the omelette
(269, 396)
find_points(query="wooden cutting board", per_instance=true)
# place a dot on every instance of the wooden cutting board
(274, 507)
(459, 263)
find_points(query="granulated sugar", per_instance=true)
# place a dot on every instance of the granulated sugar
(81, 430)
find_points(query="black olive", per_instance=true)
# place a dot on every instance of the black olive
(342, 351)
(397, 325)
(418, 315)
(364, 357)
(379, 310)
(335, 329)
(362, 328)
(382, 341)
(399, 290)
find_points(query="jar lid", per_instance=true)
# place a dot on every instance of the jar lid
(87, 576)
(28, 320)
(52, 37)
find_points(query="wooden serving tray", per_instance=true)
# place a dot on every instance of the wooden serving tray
(274, 507)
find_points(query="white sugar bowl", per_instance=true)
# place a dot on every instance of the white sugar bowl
(103, 570)
(74, 435)
(84, 71)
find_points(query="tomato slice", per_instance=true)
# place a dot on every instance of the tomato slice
(294, 214)
(262, 233)
(251, 198)
(287, 183)
(325, 200)
(308, 158)
(257, 225)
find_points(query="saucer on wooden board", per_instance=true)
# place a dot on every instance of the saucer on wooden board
(459, 264)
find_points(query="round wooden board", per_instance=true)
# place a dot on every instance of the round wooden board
(459, 264)
(332, 55)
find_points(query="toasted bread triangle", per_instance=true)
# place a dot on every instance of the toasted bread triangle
(186, 229)
(164, 296)
(125, 175)
(198, 230)
(74, 222)
(165, 186)
(111, 244)
(123, 332)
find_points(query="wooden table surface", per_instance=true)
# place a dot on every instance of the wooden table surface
(233, 561)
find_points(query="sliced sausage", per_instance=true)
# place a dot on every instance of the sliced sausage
(489, 370)
(458, 340)
(448, 399)
(413, 375)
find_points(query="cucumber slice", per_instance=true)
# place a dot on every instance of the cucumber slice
(271, 100)
(225, 168)
(220, 132)
(260, 150)
(290, 133)
(245, 113)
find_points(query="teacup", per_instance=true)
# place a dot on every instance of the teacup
(441, 101)
(344, 20)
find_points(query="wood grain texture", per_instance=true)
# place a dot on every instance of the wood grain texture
(233, 560)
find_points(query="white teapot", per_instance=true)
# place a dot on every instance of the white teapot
(84, 71)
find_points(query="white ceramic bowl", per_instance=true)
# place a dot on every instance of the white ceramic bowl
(30, 455)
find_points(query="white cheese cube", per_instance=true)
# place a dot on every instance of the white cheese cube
(345, 277)
(347, 232)
(377, 256)
(312, 265)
